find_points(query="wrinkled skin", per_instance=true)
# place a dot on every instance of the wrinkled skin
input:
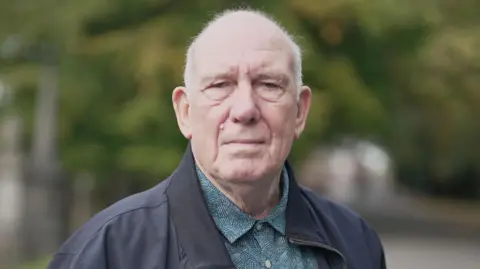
(243, 109)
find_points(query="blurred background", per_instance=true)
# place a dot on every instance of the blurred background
(86, 115)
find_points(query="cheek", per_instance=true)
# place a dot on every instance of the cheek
(205, 128)
(281, 121)
(206, 121)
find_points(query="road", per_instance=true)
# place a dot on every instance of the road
(430, 253)
(426, 235)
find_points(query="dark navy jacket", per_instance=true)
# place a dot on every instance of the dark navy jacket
(169, 226)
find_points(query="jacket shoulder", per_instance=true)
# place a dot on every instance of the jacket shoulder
(124, 217)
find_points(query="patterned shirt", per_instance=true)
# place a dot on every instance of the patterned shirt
(254, 243)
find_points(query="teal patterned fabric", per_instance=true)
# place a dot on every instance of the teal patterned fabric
(254, 243)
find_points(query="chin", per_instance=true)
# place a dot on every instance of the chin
(243, 171)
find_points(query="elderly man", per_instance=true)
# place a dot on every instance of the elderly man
(233, 201)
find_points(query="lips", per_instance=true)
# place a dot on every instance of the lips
(246, 141)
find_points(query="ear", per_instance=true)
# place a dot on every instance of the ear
(303, 107)
(182, 110)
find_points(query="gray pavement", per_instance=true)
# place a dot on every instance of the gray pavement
(430, 253)
(419, 234)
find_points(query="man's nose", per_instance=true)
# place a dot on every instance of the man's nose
(244, 108)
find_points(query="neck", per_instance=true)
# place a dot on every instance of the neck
(257, 199)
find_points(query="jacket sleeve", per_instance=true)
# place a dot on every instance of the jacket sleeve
(91, 255)
(136, 239)
(376, 247)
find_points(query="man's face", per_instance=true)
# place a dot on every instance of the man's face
(241, 112)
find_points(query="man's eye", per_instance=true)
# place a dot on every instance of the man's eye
(218, 91)
(222, 84)
(270, 91)
(271, 85)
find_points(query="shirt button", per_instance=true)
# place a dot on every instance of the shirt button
(268, 264)
(259, 226)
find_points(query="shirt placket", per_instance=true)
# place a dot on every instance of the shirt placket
(265, 237)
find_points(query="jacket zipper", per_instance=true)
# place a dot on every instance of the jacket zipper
(320, 245)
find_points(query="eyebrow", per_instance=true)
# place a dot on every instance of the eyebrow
(279, 77)
(212, 77)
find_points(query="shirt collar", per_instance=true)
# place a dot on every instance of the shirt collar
(231, 220)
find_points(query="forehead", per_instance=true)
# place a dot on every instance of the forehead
(243, 51)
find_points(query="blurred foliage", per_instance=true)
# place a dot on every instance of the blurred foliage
(39, 264)
(402, 73)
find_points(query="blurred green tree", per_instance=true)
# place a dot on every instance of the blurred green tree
(403, 74)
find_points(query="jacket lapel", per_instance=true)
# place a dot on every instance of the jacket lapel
(197, 233)
(303, 229)
(299, 221)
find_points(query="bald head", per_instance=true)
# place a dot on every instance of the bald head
(238, 30)
(244, 103)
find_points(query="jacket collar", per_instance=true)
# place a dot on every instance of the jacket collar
(199, 237)
(300, 223)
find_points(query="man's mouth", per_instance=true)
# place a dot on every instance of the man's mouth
(246, 141)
